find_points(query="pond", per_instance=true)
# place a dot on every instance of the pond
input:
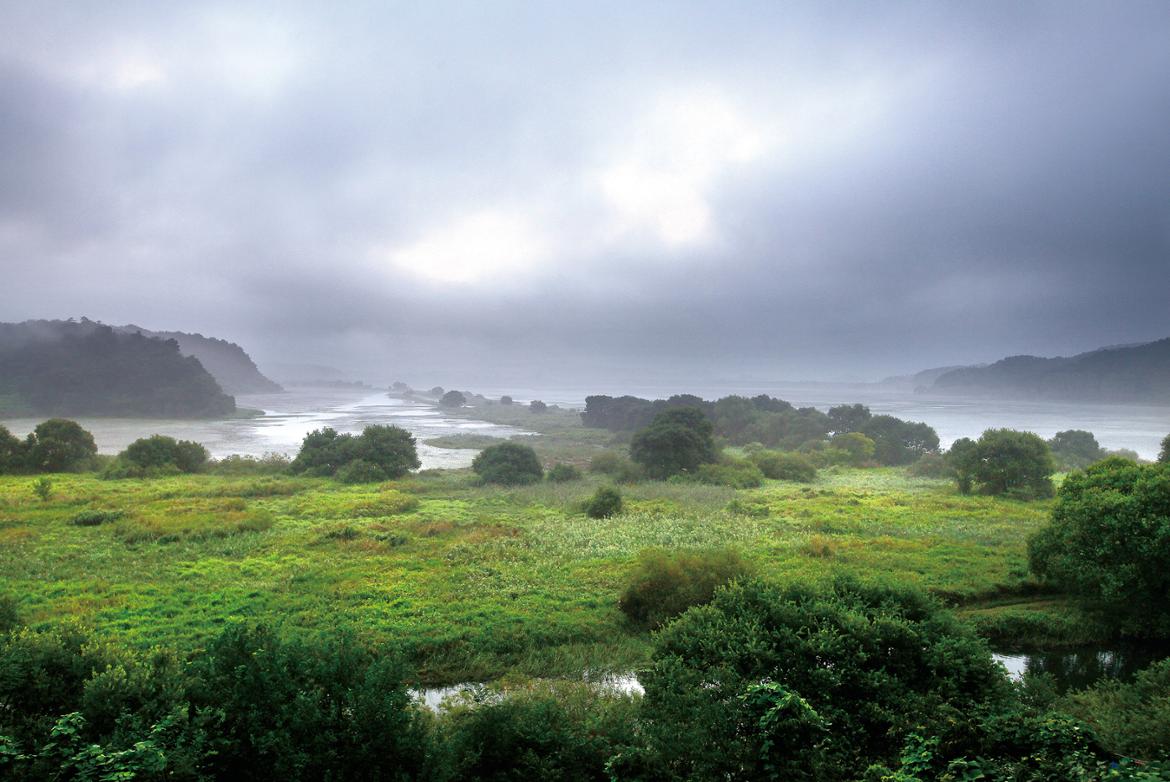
(1080, 667)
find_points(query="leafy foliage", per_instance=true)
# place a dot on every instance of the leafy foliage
(12, 457)
(605, 502)
(873, 662)
(1131, 719)
(159, 451)
(1164, 454)
(1075, 449)
(510, 464)
(736, 473)
(59, 445)
(677, 441)
(453, 399)
(784, 466)
(391, 449)
(562, 472)
(1109, 541)
(1003, 461)
(665, 583)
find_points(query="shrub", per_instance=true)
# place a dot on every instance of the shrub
(43, 488)
(9, 614)
(12, 453)
(930, 465)
(453, 399)
(785, 466)
(616, 466)
(736, 473)
(664, 583)
(58, 445)
(1109, 541)
(160, 451)
(390, 448)
(567, 733)
(360, 471)
(678, 440)
(237, 464)
(562, 473)
(505, 400)
(856, 447)
(605, 502)
(1003, 461)
(1131, 719)
(536, 406)
(799, 682)
(1164, 454)
(1075, 449)
(510, 464)
(93, 518)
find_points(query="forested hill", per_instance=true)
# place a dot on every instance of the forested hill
(227, 362)
(1136, 373)
(50, 368)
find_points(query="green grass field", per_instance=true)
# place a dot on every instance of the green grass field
(473, 582)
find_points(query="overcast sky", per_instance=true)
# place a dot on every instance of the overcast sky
(486, 192)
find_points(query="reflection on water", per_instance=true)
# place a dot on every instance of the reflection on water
(1073, 669)
(288, 417)
(433, 698)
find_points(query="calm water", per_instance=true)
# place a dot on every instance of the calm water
(1073, 669)
(288, 417)
(1137, 427)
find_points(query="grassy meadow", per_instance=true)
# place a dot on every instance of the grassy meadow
(476, 583)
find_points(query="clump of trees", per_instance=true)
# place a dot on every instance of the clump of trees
(509, 464)
(158, 455)
(387, 452)
(1003, 461)
(677, 441)
(55, 445)
(663, 583)
(537, 406)
(453, 399)
(1109, 542)
(1164, 454)
(1075, 449)
(781, 466)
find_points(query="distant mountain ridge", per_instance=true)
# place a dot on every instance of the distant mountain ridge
(72, 368)
(228, 363)
(1130, 373)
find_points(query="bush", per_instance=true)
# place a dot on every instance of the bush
(536, 406)
(568, 733)
(12, 453)
(59, 445)
(664, 583)
(857, 448)
(1130, 719)
(453, 399)
(160, 451)
(236, 464)
(1164, 454)
(562, 473)
(1003, 461)
(785, 466)
(930, 465)
(1109, 541)
(616, 466)
(798, 682)
(390, 448)
(510, 464)
(93, 518)
(736, 473)
(361, 471)
(43, 488)
(677, 441)
(505, 400)
(604, 503)
(1075, 449)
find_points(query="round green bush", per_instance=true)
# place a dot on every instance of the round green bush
(736, 473)
(666, 583)
(562, 473)
(605, 502)
(159, 451)
(510, 464)
(780, 466)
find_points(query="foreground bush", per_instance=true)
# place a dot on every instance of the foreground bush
(666, 583)
(510, 464)
(1109, 542)
(804, 683)
(736, 473)
(785, 466)
(604, 503)
(390, 449)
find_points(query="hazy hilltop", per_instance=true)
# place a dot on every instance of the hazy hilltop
(228, 363)
(53, 367)
(1132, 373)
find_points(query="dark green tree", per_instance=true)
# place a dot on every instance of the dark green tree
(1164, 454)
(1075, 449)
(12, 454)
(848, 418)
(162, 451)
(453, 399)
(1109, 541)
(677, 441)
(59, 444)
(1003, 461)
(391, 449)
(799, 682)
(537, 406)
(605, 502)
(510, 464)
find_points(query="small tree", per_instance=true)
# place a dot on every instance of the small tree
(59, 444)
(1109, 541)
(678, 440)
(1164, 455)
(1076, 449)
(161, 451)
(509, 464)
(604, 503)
(453, 399)
(505, 400)
(1003, 461)
(12, 456)
(389, 448)
(562, 473)
(536, 406)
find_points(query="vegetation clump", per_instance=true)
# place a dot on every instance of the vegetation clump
(616, 466)
(736, 473)
(1109, 542)
(59, 445)
(537, 406)
(453, 399)
(1003, 461)
(158, 455)
(1164, 454)
(389, 450)
(781, 466)
(665, 583)
(677, 441)
(1075, 449)
(510, 464)
(605, 502)
(562, 472)
(94, 518)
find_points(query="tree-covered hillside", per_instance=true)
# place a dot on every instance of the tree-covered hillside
(228, 363)
(70, 368)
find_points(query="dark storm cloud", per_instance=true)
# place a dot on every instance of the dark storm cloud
(478, 191)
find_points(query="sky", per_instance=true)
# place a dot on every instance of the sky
(475, 193)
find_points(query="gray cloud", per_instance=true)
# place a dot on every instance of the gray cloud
(477, 192)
